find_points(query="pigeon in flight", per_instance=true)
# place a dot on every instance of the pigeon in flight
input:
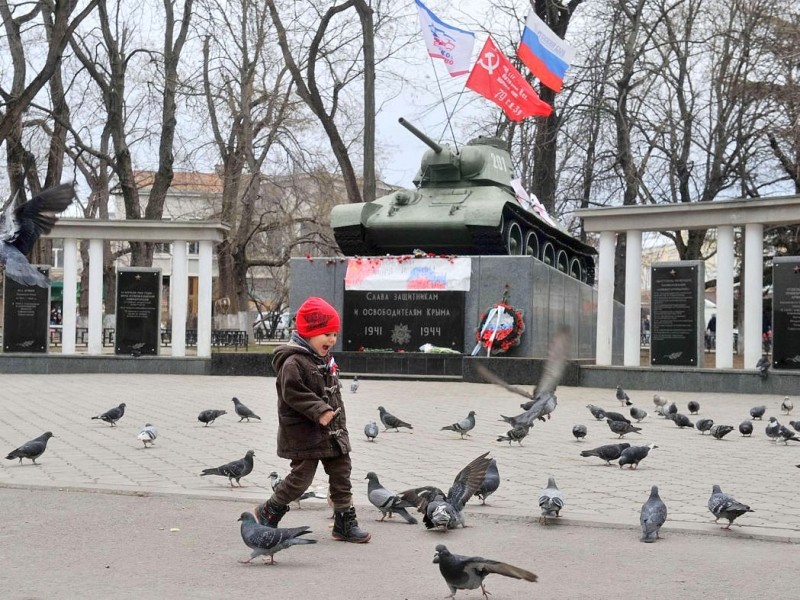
(597, 412)
(387, 501)
(390, 421)
(243, 411)
(787, 405)
(490, 483)
(725, 506)
(517, 434)
(464, 426)
(763, 366)
(693, 406)
(757, 412)
(608, 452)
(267, 541)
(551, 501)
(32, 450)
(112, 415)
(746, 428)
(468, 572)
(371, 431)
(233, 470)
(354, 385)
(622, 428)
(720, 431)
(21, 226)
(622, 396)
(652, 516)
(638, 414)
(148, 434)
(579, 431)
(446, 510)
(210, 415)
(634, 455)
(704, 425)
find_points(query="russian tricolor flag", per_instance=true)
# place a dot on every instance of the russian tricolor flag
(544, 53)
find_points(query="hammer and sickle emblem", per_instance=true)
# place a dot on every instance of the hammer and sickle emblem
(492, 62)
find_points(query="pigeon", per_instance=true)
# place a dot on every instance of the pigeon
(773, 429)
(623, 398)
(579, 431)
(659, 401)
(704, 425)
(243, 411)
(464, 426)
(266, 541)
(233, 470)
(681, 420)
(551, 501)
(371, 431)
(608, 452)
(758, 411)
(787, 405)
(763, 366)
(694, 407)
(672, 409)
(517, 434)
(597, 412)
(638, 413)
(662, 411)
(32, 450)
(615, 416)
(725, 506)
(787, 435)
(746, 428)
(274, 480)
(445, 511)
(148, 434)
(468, 572)
(387, 501)
(622, 428)
(720, 431)
(112, 415)
(21, 226)
(795, 425)
(210, 415)
(354, 385)
(490, 482)
(390, 421)
(652, 516)
(634, 455)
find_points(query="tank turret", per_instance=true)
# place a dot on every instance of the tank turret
(463, 203)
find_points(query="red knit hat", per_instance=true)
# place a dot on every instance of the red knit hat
(315, 317)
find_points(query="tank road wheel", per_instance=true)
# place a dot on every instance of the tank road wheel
(513, 237)
(549, 255)
(575, 269)
(562, 262)
(531, 244)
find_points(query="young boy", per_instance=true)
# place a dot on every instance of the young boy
(312, 426)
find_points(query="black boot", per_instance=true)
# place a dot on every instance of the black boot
(346, 529)
(270, 513)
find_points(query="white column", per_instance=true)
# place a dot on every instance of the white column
(204, 291)
(753, 284)
(95, 341)
(605, 299)
(633, 299)
(725, 263)
(179, 288)
(69, 308)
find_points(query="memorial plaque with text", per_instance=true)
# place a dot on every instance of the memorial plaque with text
(676, 324)
(26, 316)
(786, 312)
(138, 311)
(403, 320)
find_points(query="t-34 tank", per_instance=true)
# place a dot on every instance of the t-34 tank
(464, 204)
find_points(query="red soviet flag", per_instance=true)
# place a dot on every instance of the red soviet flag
(494, 77)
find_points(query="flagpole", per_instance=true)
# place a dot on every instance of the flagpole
(449, 124)
(444, 103)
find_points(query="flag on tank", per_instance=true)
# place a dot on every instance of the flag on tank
(451, 44)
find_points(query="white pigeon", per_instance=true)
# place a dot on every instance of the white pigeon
(551, 501)
(148, 434)
(787, 405)
(354, 385)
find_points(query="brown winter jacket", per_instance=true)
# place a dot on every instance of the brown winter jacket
(306, 389)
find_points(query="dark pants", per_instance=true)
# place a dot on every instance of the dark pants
(302, 474)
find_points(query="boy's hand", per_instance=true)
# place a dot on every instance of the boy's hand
(326, 418)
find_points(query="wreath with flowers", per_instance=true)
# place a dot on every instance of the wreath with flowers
(500, 328)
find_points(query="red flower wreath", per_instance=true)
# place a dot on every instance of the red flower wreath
(500, 328)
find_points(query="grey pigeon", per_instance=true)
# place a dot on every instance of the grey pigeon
(763, 366)
(371, 431)
(608, 452)
(464, 426)
(32, 450)
(517, 434)
(773, 429)
(491, 482)
(579, 431)
(210, 415)
(787, 435)
(652, 516)
(551, 501)
(390, 421)
(681, 420)
(704, 425)
(658, 400)
(693, 406)
(758, 411)
(672, 409)
(725, 506)
(622, 396)
(615, 416)
(622, 428)
(634, 455)
(354, 385)
(746, 428)
(468, 572)
(148, 434)
(233, 470)
(720, 431)
(267, 541)
(597, 412)
(21, 226)
(274, 480)
(795, 425)
(638, 413)
(787, 405)
(243, 411)
(387, 501)
(112, 415)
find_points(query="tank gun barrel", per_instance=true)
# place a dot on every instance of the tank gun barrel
(428, 141)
